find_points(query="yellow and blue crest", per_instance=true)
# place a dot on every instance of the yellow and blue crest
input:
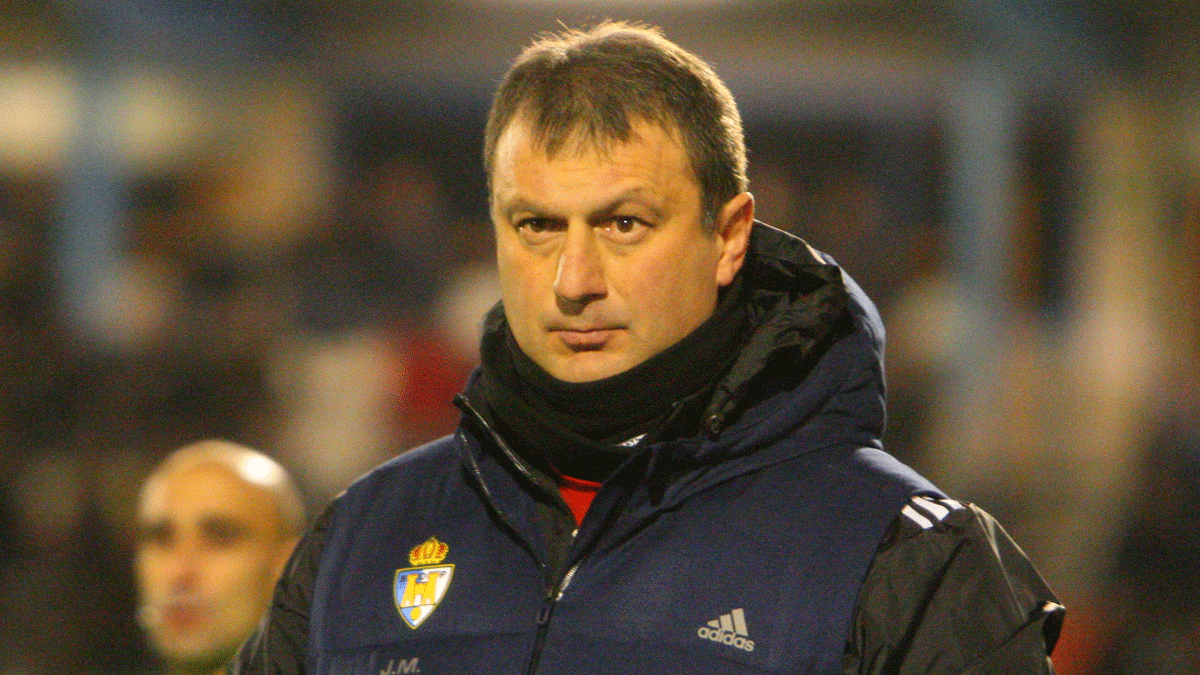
(418, 589)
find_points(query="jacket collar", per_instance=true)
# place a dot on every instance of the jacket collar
(812, 371)
(810, 377)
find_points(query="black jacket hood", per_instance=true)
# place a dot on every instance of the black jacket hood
(815, 358)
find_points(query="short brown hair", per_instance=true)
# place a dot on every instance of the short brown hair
(587, 85)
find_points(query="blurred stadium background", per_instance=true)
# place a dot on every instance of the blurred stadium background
(265, 220)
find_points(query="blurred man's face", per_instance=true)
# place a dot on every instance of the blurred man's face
(603, 257)
(210, 549)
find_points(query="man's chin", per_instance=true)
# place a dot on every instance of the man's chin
(588, 366)
(194, 646)
(196, 655)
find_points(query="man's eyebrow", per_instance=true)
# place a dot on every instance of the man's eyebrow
(637, 194)
(641, 196)
(520, 205)
(222, 525)
(149, 529)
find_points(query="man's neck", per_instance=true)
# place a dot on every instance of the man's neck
(579, 428)
(182, 669)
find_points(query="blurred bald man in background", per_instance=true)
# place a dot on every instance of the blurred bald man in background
(217, 522)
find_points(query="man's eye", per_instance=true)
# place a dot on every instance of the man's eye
(536, 225)
(535, 231)
(158, 535)
(625, 224)
(626, 229)
(222, 533)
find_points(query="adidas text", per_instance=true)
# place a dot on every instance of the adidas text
(725, 638)
(728, 629)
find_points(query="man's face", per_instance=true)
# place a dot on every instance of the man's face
(209, 551)
(603, 259)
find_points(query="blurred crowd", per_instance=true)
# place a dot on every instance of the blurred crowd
(334, 352)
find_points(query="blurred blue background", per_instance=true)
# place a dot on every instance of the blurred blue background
(265, 220)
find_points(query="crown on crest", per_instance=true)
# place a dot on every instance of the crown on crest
(431, 552)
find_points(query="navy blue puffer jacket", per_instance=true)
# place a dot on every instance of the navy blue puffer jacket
(739, 550)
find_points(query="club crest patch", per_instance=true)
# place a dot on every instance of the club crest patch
(418, 589)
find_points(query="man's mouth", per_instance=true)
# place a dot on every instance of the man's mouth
(586, 340)
(183, 616)
(177, 615)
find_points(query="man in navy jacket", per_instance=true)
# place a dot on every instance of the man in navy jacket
(669, 460)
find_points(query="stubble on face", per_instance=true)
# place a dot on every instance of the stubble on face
(604, 261)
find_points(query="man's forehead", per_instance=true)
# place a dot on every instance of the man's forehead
(649, 152)
(198, 489)
(579, 138)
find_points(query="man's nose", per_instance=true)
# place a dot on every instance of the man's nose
(580, 278)
(184, 566)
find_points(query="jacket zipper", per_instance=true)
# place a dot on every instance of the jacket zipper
(543, 618)
(556, 591)
(465, 406)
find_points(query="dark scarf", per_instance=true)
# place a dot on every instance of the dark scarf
(587, 429)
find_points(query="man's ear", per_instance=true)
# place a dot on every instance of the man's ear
(733, 236)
